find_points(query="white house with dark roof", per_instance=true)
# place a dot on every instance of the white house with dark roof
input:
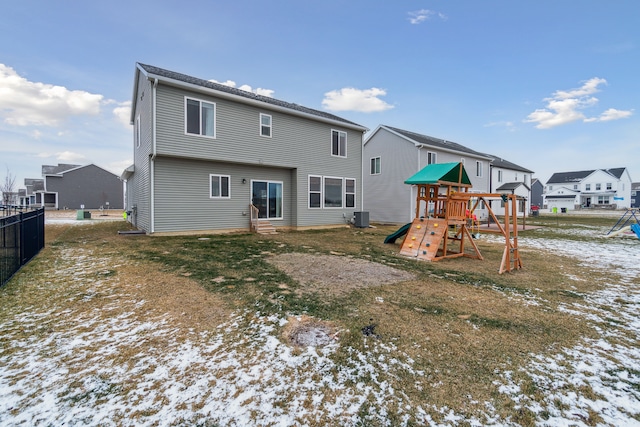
(509, 178)
(589, 189)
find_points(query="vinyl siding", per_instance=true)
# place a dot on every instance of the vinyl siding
(184, 203)
(299, 145)
(89, 186)
(139, 185)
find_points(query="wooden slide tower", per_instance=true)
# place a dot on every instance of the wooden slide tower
(445, 216)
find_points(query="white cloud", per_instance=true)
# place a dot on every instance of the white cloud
(123, 113)
(26, 103)
(247, 88)
(351, 99)
(70, 157)
(419, 16)
(565, 106)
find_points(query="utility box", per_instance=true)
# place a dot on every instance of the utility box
(82, 214)
(361, 219)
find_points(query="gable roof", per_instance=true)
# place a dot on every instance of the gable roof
(60, 168)
(194, 83)
(441, 173)
(510, 186)
(425, 140)
(505, 164)
(564, 177)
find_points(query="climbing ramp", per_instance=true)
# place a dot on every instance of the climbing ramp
(424, 238)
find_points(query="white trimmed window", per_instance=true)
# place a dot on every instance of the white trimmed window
(265, 125)
(587, 187)
(431, 157)
(609, 186)
(338, 143)
(219, 185)
(598, 187)
(315, 192)
(332, 189)
(200, 117)
(478, 169)
(349, 193)
(375, 166)
(137, 136)
(499, 176)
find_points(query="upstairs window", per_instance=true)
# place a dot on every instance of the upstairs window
(598, 187)
(219, 185)
(137, 135)
(499, 176)
(587, 187)
(609, 186)
(375, 166)
(338, 143)
(265, 125)
(200, 118)
(478, 169)
(431, 157)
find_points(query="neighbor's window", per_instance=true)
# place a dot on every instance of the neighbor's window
(338, 143)
(598, 186)
(479, 169)
(220, 186)
(200, 117)
(265, 125)
(499, 176)
(315, 191)
(375, 166)
(431, 157)
(609, 186)
(587, 187)
(603, 200)
(332, 192)
(137, 136)
(349, 193)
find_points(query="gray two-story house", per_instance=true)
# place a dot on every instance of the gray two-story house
(392, 155)
(207, 157)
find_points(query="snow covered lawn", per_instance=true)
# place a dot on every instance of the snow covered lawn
(95, 355)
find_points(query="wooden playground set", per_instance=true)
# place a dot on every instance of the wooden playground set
(445, 222)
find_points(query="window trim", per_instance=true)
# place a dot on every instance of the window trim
(324, 192)
(137, 131)
(339, 132)
(309, 192)
(215, 116)
(375, 165)
(263, 126)
(346, 193)
(479, 169)
(211, 196)
(432, 157)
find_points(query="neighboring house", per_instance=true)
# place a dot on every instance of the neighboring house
(635, 195)
(537, 188)
(392, 155)
(509, 178)
(204, 152)
(66, 186)
(599, 188)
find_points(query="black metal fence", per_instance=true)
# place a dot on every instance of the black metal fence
(21, 238)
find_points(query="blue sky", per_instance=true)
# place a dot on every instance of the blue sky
(550, 85)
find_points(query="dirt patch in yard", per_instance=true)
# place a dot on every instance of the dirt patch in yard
(336, 275)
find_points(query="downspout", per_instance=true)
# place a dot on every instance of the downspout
(152, 159)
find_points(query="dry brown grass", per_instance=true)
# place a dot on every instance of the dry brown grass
(459, 320)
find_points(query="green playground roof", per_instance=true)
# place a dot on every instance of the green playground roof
(441, 173)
